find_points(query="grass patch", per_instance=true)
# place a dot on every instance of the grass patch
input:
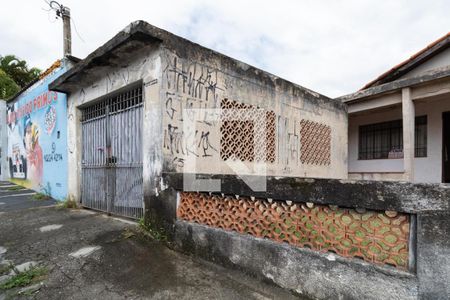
(68, 202)
(24, 278)
(41, 197)
(15, 188)
(152, 230)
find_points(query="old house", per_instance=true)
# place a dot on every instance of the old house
(149, 102)
(241, 167)
(36, 130)
(399, 124)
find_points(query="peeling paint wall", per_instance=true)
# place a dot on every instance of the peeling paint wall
(309, 130)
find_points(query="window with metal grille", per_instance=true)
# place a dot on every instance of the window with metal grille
(385, 140)
(420, 138)
(116, 103)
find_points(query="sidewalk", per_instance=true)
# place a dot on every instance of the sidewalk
(81, 254)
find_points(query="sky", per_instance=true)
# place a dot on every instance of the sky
(333, 47)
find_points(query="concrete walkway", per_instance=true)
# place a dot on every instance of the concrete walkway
(86, 255)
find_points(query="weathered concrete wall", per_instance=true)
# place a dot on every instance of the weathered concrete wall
(134, 63)
(325, 275)
(306, 272)
(196, 78)
(179, 74)
(433, 255)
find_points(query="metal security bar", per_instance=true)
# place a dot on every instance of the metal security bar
(385, 140)
(112, 154)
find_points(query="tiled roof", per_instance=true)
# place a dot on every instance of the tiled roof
(404, 67)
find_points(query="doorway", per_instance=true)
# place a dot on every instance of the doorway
(112, 154)
(446, 147)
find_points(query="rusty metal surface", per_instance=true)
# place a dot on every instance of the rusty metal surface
(374, 236)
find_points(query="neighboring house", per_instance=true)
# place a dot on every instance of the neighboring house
(37, 134)
(132, 102)
(399, 124)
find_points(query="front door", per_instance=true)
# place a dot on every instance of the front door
(446, 147)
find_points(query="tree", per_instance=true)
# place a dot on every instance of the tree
(8, 87)
(17, 70)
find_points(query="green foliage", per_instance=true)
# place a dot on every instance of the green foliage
(24, 278)
(45, 193)
(15, 188)
(157, 233)
(18, 70)
(68, 202)
(8, 87)
(14, 75)
(41, 196)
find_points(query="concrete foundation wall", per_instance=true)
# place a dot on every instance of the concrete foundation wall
(328, 275)
(305, 272)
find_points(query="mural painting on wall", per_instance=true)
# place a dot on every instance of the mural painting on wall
(37, 144)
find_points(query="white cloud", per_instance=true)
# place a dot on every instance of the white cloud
(333, 47)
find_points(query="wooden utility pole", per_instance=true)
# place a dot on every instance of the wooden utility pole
(64, 13)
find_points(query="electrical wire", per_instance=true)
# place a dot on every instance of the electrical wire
(76, 30)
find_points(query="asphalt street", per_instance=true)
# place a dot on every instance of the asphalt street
(82, 254)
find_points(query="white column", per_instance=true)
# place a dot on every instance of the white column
(73, 151)
(408, 114)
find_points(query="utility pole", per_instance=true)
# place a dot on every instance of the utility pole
(67, 35)
(63, 12)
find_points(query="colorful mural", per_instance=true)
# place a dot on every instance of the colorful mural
(37, 140)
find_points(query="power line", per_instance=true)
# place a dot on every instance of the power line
(76, 30)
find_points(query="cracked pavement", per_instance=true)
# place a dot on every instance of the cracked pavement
(125, 264)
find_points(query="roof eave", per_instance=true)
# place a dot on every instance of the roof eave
(396, 85)
(134, 30)
(404, 67)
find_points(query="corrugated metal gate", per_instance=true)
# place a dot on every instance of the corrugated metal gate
(112, 154)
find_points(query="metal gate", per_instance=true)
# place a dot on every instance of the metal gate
(112, 154)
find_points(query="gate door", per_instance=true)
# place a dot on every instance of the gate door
(112, 155)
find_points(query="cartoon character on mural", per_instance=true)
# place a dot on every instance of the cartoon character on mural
(33, 150)
(37, 141)
(16, 149)
(25, 152)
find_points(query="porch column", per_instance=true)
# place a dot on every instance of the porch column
(408, 114)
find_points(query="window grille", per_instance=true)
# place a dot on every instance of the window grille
(420, 137)
(116, 103)
(385, 140)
